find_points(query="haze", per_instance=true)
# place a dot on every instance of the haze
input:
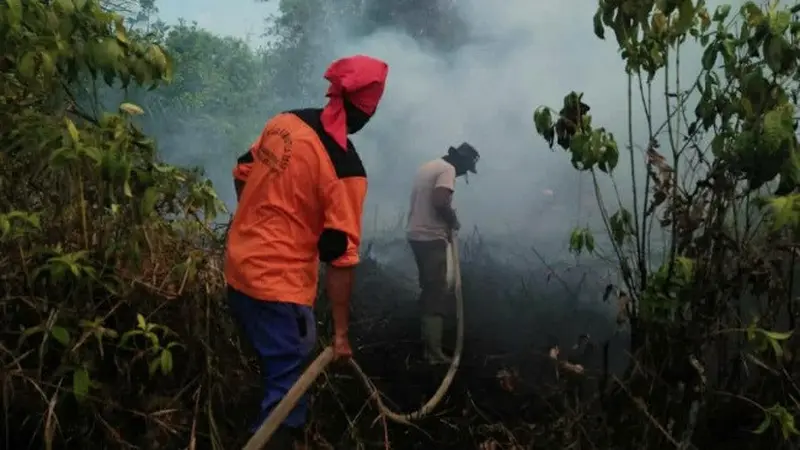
(518, 55)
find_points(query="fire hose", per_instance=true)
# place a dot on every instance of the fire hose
(285, 406)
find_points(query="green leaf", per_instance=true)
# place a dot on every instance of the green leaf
(599, 29)
(788, 427)
(156, 55)
(61, 335)
(782, 210)
(684, 268)
(686, 14)
(155, 364)
(15, 8)
(729, 51)
(778, 336)
(611, 155)
(149, 200)
(721, 13)
(776, 347)
(659, 22)
(779, 22)
(27, 65)
(543, 119)
(777, 128)
(710, 56)
(92, 152)
(166, 361)
(583, 156)
(764, 426)
(141, 323)
(620, 224)
(752, 13)
(48, 64)
(127, 336)
(576, 241)
(66, 6)
(80, 383)
(775, 49)
(119, 30)
(589, 240)
(154, 344)
(72, 130)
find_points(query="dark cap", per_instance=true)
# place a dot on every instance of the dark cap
(467, 155)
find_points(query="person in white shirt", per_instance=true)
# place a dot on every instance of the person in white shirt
(431, 224)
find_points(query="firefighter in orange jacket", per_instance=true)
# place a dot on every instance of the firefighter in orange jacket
(301, 190)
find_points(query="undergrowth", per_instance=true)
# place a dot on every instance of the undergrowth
(115, 334)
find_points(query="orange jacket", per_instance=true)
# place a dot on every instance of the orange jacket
(301, 202)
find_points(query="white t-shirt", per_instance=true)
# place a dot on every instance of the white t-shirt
(424, 223)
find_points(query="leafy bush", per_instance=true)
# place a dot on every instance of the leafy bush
(100, 243)
(702, 311)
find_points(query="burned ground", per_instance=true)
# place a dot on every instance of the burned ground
(507, 386)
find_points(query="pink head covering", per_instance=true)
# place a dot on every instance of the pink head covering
(361, 79)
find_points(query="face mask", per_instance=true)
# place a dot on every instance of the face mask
(356, 119)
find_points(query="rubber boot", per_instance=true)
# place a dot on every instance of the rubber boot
(432, 330)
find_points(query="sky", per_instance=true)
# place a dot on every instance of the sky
(240, 18)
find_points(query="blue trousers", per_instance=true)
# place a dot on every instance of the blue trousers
(283, 336)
